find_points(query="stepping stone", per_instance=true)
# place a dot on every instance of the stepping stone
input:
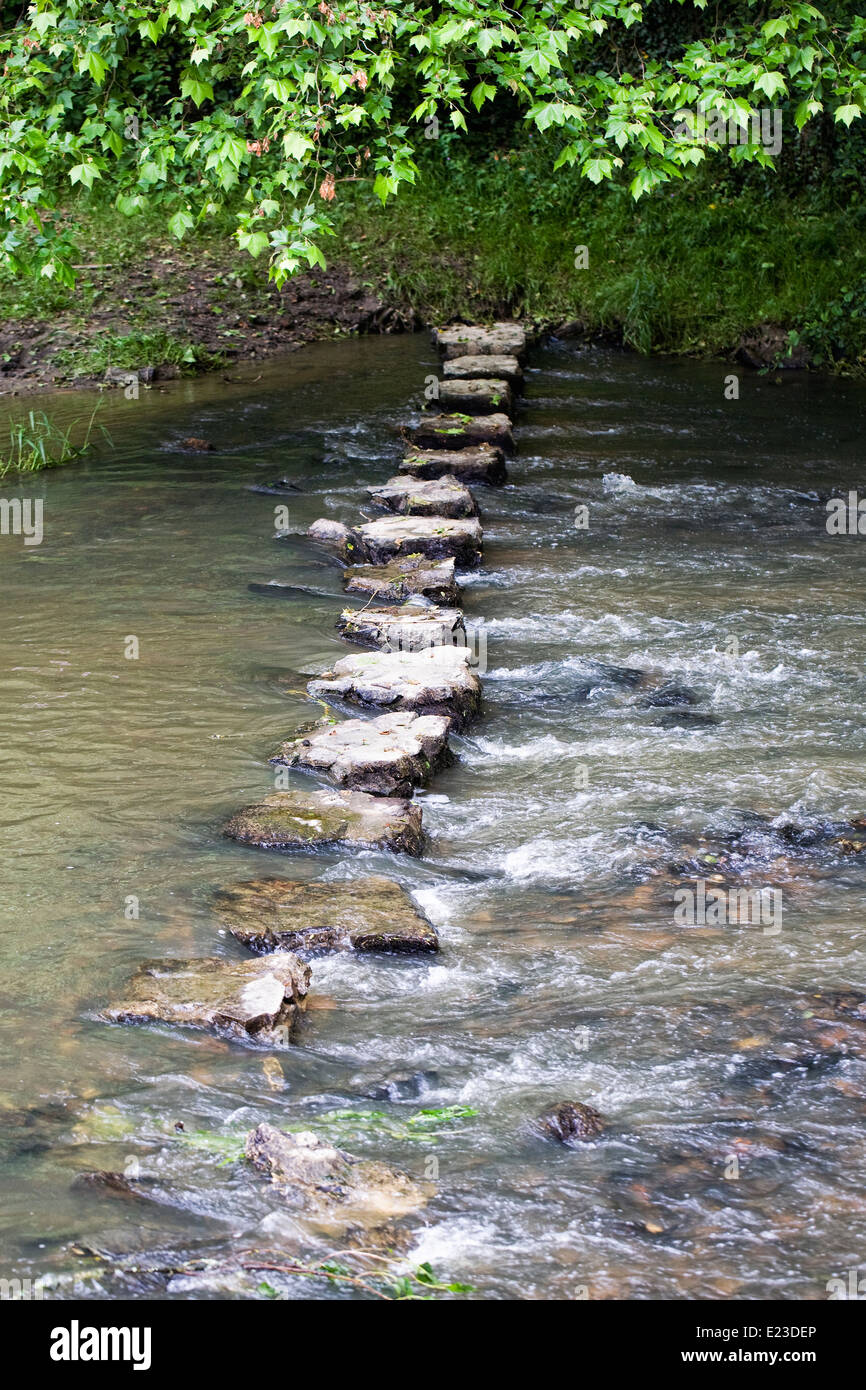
(408, 628)
(254, 1000)
(460, 340)
(311, 819)
(506, 368)
(476, 397)
(462, 431)
(438, 680)
(333, 1192)
(342, 540)
(366, 914)
(411, 575)
(443, 496)
(388, 756)
(433, 536)
(485, 464)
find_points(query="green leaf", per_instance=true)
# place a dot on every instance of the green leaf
(194, 89)
(847, 114)
(296, 145)
(180, 224)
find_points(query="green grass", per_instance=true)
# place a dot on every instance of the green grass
(38, 442)
(689, 270)
(133, 350)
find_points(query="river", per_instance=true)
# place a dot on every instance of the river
(706, 561)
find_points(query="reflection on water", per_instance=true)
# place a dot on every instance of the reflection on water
(705, 567)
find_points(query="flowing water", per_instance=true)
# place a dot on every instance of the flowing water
(732, 1162)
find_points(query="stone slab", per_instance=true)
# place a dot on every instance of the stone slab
(317, 818)
(253, 1000)
(437, 680)
(363, 914)
(445, 496)
(388, 756)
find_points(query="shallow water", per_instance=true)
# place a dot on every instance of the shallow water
(562, 973)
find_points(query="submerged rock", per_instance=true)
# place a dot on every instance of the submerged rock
(503, 339)
(484, 464)
(687, 719)
(484, 365)
(335, 1190)
(443, 496)
(403, 577)
(254, 1000)
(570, 1122)
(388, 756)
(462, 431)
(437, 537)
(311, 819)
(366, 914)
(476, 396)
(409, 628)
(671, 695)
(437, 680)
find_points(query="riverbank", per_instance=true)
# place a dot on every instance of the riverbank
(754, 269)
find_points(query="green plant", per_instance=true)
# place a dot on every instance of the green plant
(195, 106)
(132, 350)
(38, 442)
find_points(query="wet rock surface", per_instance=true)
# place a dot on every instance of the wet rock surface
(336, 1191)
(344, 541)
(437, 537)
(460, 340)
(404, 577)
(315, 818)
(444, 496)
(670, 695)
(571, 1122)
(484, 365)
(252, 1000)
(484, 464)
(364, 914)
(408, 627)
(460, 431)
(437, 680)
(476, 396)
(388, 756)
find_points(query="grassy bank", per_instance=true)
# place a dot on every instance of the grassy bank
(760, 262)
(695, 269)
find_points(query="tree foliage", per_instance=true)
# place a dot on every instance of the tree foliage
(200, 106)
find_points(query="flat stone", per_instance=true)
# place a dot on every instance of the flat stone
(443, 496)
(437, 680)
(314, 818)
(254, 1000)
(437, 537)
(407, 628)
(403, 577)
(460, 340)
(484, 464)
(476, 396)
(333, 1190)
(342, 540)
(484, 365)
(366, 914)
(388, 756)
(462, 431)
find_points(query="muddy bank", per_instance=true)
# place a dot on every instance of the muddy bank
(144, 319)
